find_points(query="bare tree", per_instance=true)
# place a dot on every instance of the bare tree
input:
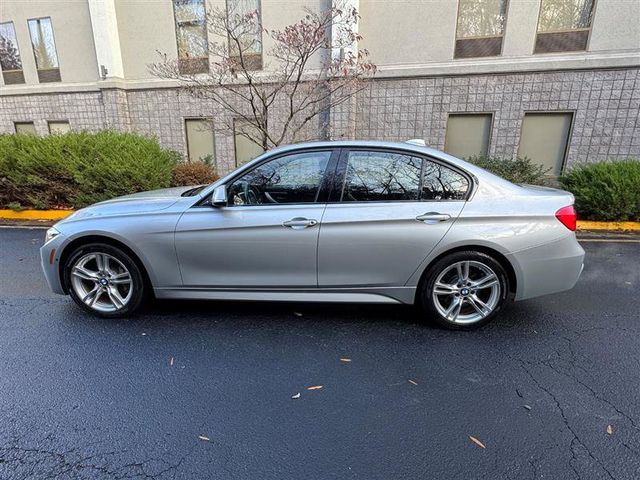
(311, 67)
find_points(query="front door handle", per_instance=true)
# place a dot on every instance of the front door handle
(299, 223)
(433, 217)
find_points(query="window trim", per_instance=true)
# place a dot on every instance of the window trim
(203, 22)
(17, 47)
(491, 113)
(340, 177)
(590, 31)
(502, 36)
(326, 183)
(186, 136)
(250, 55)
(55, 48)
(569, 134)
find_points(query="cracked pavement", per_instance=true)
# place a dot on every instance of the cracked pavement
(84, 398)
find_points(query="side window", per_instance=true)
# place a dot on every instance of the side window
(442, 183)
(293, 178)
(381, 176)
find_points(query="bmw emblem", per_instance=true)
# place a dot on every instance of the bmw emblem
(464, 291)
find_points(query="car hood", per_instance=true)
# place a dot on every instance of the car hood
(142, 202)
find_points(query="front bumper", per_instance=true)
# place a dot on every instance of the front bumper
(50, 261)
(549, 268)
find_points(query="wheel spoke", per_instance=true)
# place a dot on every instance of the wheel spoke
(463, 271)
(444, 289)
(479, 305)
(92, 297)
(121, 278)
(100, 262)
(485, 282)
(84, 274)
(454, 309)
(115, 297)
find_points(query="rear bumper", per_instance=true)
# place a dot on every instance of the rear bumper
(549, 268)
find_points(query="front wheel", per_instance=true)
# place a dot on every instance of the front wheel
(464, 290)
(104, 280)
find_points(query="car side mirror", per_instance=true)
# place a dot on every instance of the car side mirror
(219, 196)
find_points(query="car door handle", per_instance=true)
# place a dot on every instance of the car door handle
(299, 223)
(433, 217)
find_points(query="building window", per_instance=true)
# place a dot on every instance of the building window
(25, 128)
(468, 134)
(44, 50)
(480, 28)
(200, 140)
(564, 25)
(246, 144)
(245, 36)
(191, 35)
(59, 127)
(10, 60)
(544, 139)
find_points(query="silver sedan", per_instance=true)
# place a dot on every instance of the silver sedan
(352, 221)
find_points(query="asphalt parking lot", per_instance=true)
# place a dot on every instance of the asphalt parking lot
(203, 390)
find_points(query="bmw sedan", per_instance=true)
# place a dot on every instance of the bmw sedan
(351, 221)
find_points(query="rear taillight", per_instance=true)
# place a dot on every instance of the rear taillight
(568, 217)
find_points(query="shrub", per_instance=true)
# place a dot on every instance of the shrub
(79, 168)
(193, 173)
(519, 170)
(608, 191)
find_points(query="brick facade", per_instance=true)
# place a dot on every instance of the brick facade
(605, 103)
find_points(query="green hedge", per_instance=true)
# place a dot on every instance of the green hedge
(607, 191)
(79, 168)
(519, 170)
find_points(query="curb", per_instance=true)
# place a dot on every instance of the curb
(51, 215)
(37, 215)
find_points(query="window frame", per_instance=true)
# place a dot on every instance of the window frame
(252, 55)
(176, 25)
(185, 120)
(491, 125)
(326, 182)
(61, 121)
(14, 71)
(339, 179)
(55, 49)
(569, 134)
(456, 39)
(589, 31)
(25, 122)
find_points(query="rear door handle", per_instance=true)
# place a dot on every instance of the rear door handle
(299, 223)
(433, 217)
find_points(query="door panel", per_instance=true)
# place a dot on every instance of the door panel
(248, 246)
(378, 244)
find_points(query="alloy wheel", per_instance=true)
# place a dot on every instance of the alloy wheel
(102, 282)
(466, 292)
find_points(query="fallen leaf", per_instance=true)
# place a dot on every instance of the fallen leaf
(528, 407)
(609, 429)
(345, 360)
(171, 362)
(203, 438)
(143, 334)
(412, 382)
(297, 314)
(315, 387)
(476, 441)
(296, 396)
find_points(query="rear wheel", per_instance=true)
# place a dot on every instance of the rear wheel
(104, 280)
(464, 290)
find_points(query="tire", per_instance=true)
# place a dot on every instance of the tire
(457, 302)
(110, 274)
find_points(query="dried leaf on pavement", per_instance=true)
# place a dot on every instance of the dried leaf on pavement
(476, 441)
(528, 407)
(296, 396)
(315, 387)
(609, 429)
(345, 360)
(204, 438)
(412, 382)
(171, 362)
